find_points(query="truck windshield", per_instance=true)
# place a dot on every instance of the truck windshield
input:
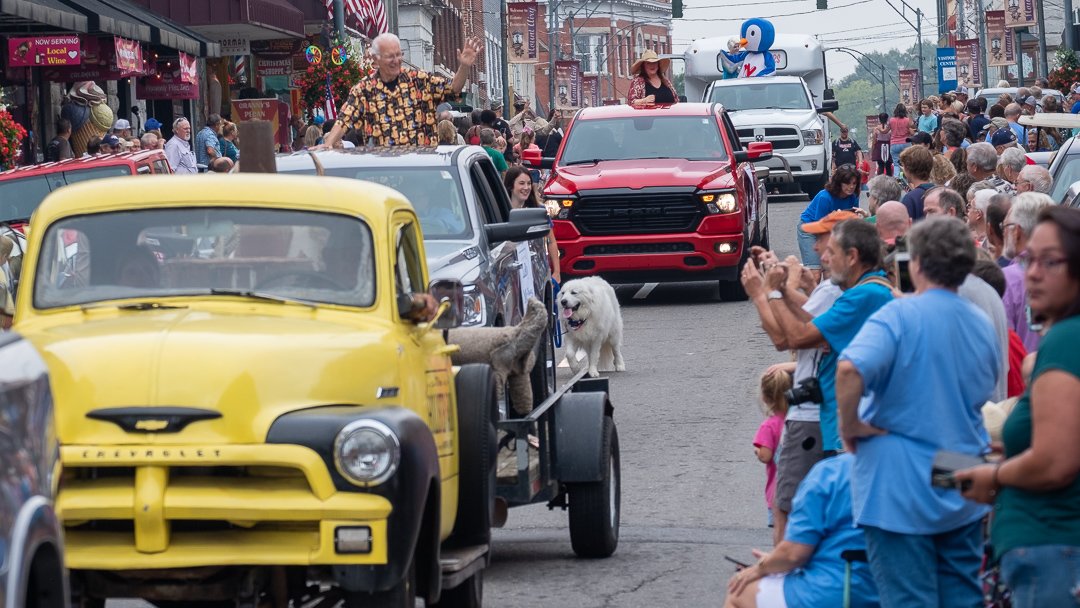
(155, 253)
(644, 137)
(19, 197)
(434, 192)
(749, 95)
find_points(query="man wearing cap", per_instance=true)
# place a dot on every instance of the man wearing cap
(110, 144)
(853, 257)
(122, 128)
(846, 151)
(1003, 139)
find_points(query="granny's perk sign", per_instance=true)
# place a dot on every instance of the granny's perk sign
(44, 51)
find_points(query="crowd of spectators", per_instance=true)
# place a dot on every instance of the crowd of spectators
(941, 317)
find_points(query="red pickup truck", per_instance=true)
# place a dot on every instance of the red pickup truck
(664, 193)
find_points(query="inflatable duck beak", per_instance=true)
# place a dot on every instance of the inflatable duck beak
(743, 42)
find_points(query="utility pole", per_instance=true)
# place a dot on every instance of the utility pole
(1069, 33)
(339, 19)
(918, 32)
(504, 59)
(1044, 67)
(979, 10)
(552, 18)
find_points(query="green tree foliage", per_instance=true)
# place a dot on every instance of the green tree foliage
(859, 93)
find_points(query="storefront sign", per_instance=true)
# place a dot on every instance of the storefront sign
(521, 20)
(235, 46)
(1001, 40)
(165, 84)
(275, 48)
(272, 110)
(1019, 13)
(129, 58)
(81, 73)
(44, 50)
(274, 67)
(946, 69)
(567, 84)
(909, 87)
(968, 70)
(188, 73)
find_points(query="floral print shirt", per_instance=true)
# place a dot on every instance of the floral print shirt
(396, 115)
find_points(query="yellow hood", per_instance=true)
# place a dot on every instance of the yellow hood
(251, 368)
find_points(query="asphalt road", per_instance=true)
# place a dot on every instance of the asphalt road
(692, 491)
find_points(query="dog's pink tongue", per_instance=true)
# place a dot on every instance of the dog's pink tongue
(567, 312)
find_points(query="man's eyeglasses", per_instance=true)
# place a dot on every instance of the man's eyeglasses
(1049, 264)
(393, 57)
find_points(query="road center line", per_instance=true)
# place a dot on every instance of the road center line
(645, 290)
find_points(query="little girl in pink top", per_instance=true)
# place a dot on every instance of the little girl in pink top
(773, 402)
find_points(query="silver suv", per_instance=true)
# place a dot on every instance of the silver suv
(464, 211)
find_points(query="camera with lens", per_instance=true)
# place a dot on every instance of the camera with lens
(808, 390)
(898, 265)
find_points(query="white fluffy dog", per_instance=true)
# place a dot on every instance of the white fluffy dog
(592, 324)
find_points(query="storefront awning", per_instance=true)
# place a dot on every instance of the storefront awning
(141, 24)
(248, 19)
(30, 15)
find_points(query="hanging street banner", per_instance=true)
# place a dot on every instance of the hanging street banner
(129, 58)
(521, 32)
(188, 73)
(909, 87)
(44, 50)
(872, 122)
(968, 72)
(568, 84)
(590, 91)
(165, 83)
(1001, 40)
(946, 69)
(1019, 13)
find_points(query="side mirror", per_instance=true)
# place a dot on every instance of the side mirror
(828, 94)
(829, 105)
(761, 172)
(547, 162)
(1072, 196)
(452, 291)
(755, 150)
(524, 225)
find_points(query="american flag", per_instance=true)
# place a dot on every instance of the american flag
(369, 14)
(330, 106)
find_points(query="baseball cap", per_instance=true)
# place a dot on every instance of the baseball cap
(826, 224)
(1029, 101)
(111, 140)
(1003, 137)
(121, 124)
(961, 91)
(152, 124)
(922, 137)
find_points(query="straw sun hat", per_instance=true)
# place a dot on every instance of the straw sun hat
(649, 56)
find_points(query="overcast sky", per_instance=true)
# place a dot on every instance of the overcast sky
(865, 25)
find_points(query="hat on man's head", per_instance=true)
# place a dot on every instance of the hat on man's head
(111, 140)
(922, 137)
(826, 224)
(1003, 137)
(999, 122)
(1029, 101)
(121, 124)
(152, 124)
(960, 90)
(496, 105)
(318, 120)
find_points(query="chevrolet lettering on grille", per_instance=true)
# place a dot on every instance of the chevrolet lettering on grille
(144, 453)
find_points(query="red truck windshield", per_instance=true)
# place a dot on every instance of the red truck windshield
(644, 137)
(20, 196)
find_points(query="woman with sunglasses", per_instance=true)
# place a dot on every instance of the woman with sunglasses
(1036, 488)
(519, 185)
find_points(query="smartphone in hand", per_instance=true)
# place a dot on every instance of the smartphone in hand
(738, 565)
(946, 464)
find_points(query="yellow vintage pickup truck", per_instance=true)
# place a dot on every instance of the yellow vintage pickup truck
(252, 407)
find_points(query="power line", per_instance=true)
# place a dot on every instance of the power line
(785, 14)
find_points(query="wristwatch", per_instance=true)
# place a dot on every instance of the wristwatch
(775, 294)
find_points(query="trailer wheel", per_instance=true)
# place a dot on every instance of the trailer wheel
(595, 506)
(469, 594)
(477, 411)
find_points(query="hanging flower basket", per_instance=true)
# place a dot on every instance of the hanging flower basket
(11, 136)
(342, 78)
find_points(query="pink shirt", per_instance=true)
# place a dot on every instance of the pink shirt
(768, 436)
(900, 129)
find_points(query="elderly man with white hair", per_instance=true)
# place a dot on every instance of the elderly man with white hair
(982, 161)
(1033, 178)
(1010, 163)
(395, 107)
(1018, 226)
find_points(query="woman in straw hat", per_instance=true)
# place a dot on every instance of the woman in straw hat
(650, 84)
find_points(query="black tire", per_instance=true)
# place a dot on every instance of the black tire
(469, 594)
(477, 411)
(732, 290)
(765, 233)
(595, 507)
(402, 595)
(45, 587)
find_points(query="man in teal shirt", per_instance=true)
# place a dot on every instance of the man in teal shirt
(487, 139)
(854, 261)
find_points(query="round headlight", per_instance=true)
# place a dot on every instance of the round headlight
(367, 452)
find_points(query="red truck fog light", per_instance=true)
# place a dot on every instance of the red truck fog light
(726, 247)
(352, 540)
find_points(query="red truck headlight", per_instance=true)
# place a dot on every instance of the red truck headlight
(719, 202)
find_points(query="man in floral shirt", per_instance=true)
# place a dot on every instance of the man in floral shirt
(397, 108)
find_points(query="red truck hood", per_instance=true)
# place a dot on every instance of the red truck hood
(632, 173)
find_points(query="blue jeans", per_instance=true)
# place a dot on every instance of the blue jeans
(896, 149)
(927, 570)
(1047, 575)
(810, 257)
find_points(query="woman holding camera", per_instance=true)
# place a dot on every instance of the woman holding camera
(1036, 488)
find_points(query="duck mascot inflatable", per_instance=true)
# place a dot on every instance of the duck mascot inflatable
(757, 38)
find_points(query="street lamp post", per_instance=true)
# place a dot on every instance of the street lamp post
(849, 51)
(918, 31)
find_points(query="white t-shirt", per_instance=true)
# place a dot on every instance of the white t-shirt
(806, 359)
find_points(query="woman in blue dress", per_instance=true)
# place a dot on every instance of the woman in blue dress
(841, 193)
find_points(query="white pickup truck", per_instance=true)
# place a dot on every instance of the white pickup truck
(784, 109)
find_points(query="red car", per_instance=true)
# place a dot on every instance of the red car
(23, 189)
(663, 193)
